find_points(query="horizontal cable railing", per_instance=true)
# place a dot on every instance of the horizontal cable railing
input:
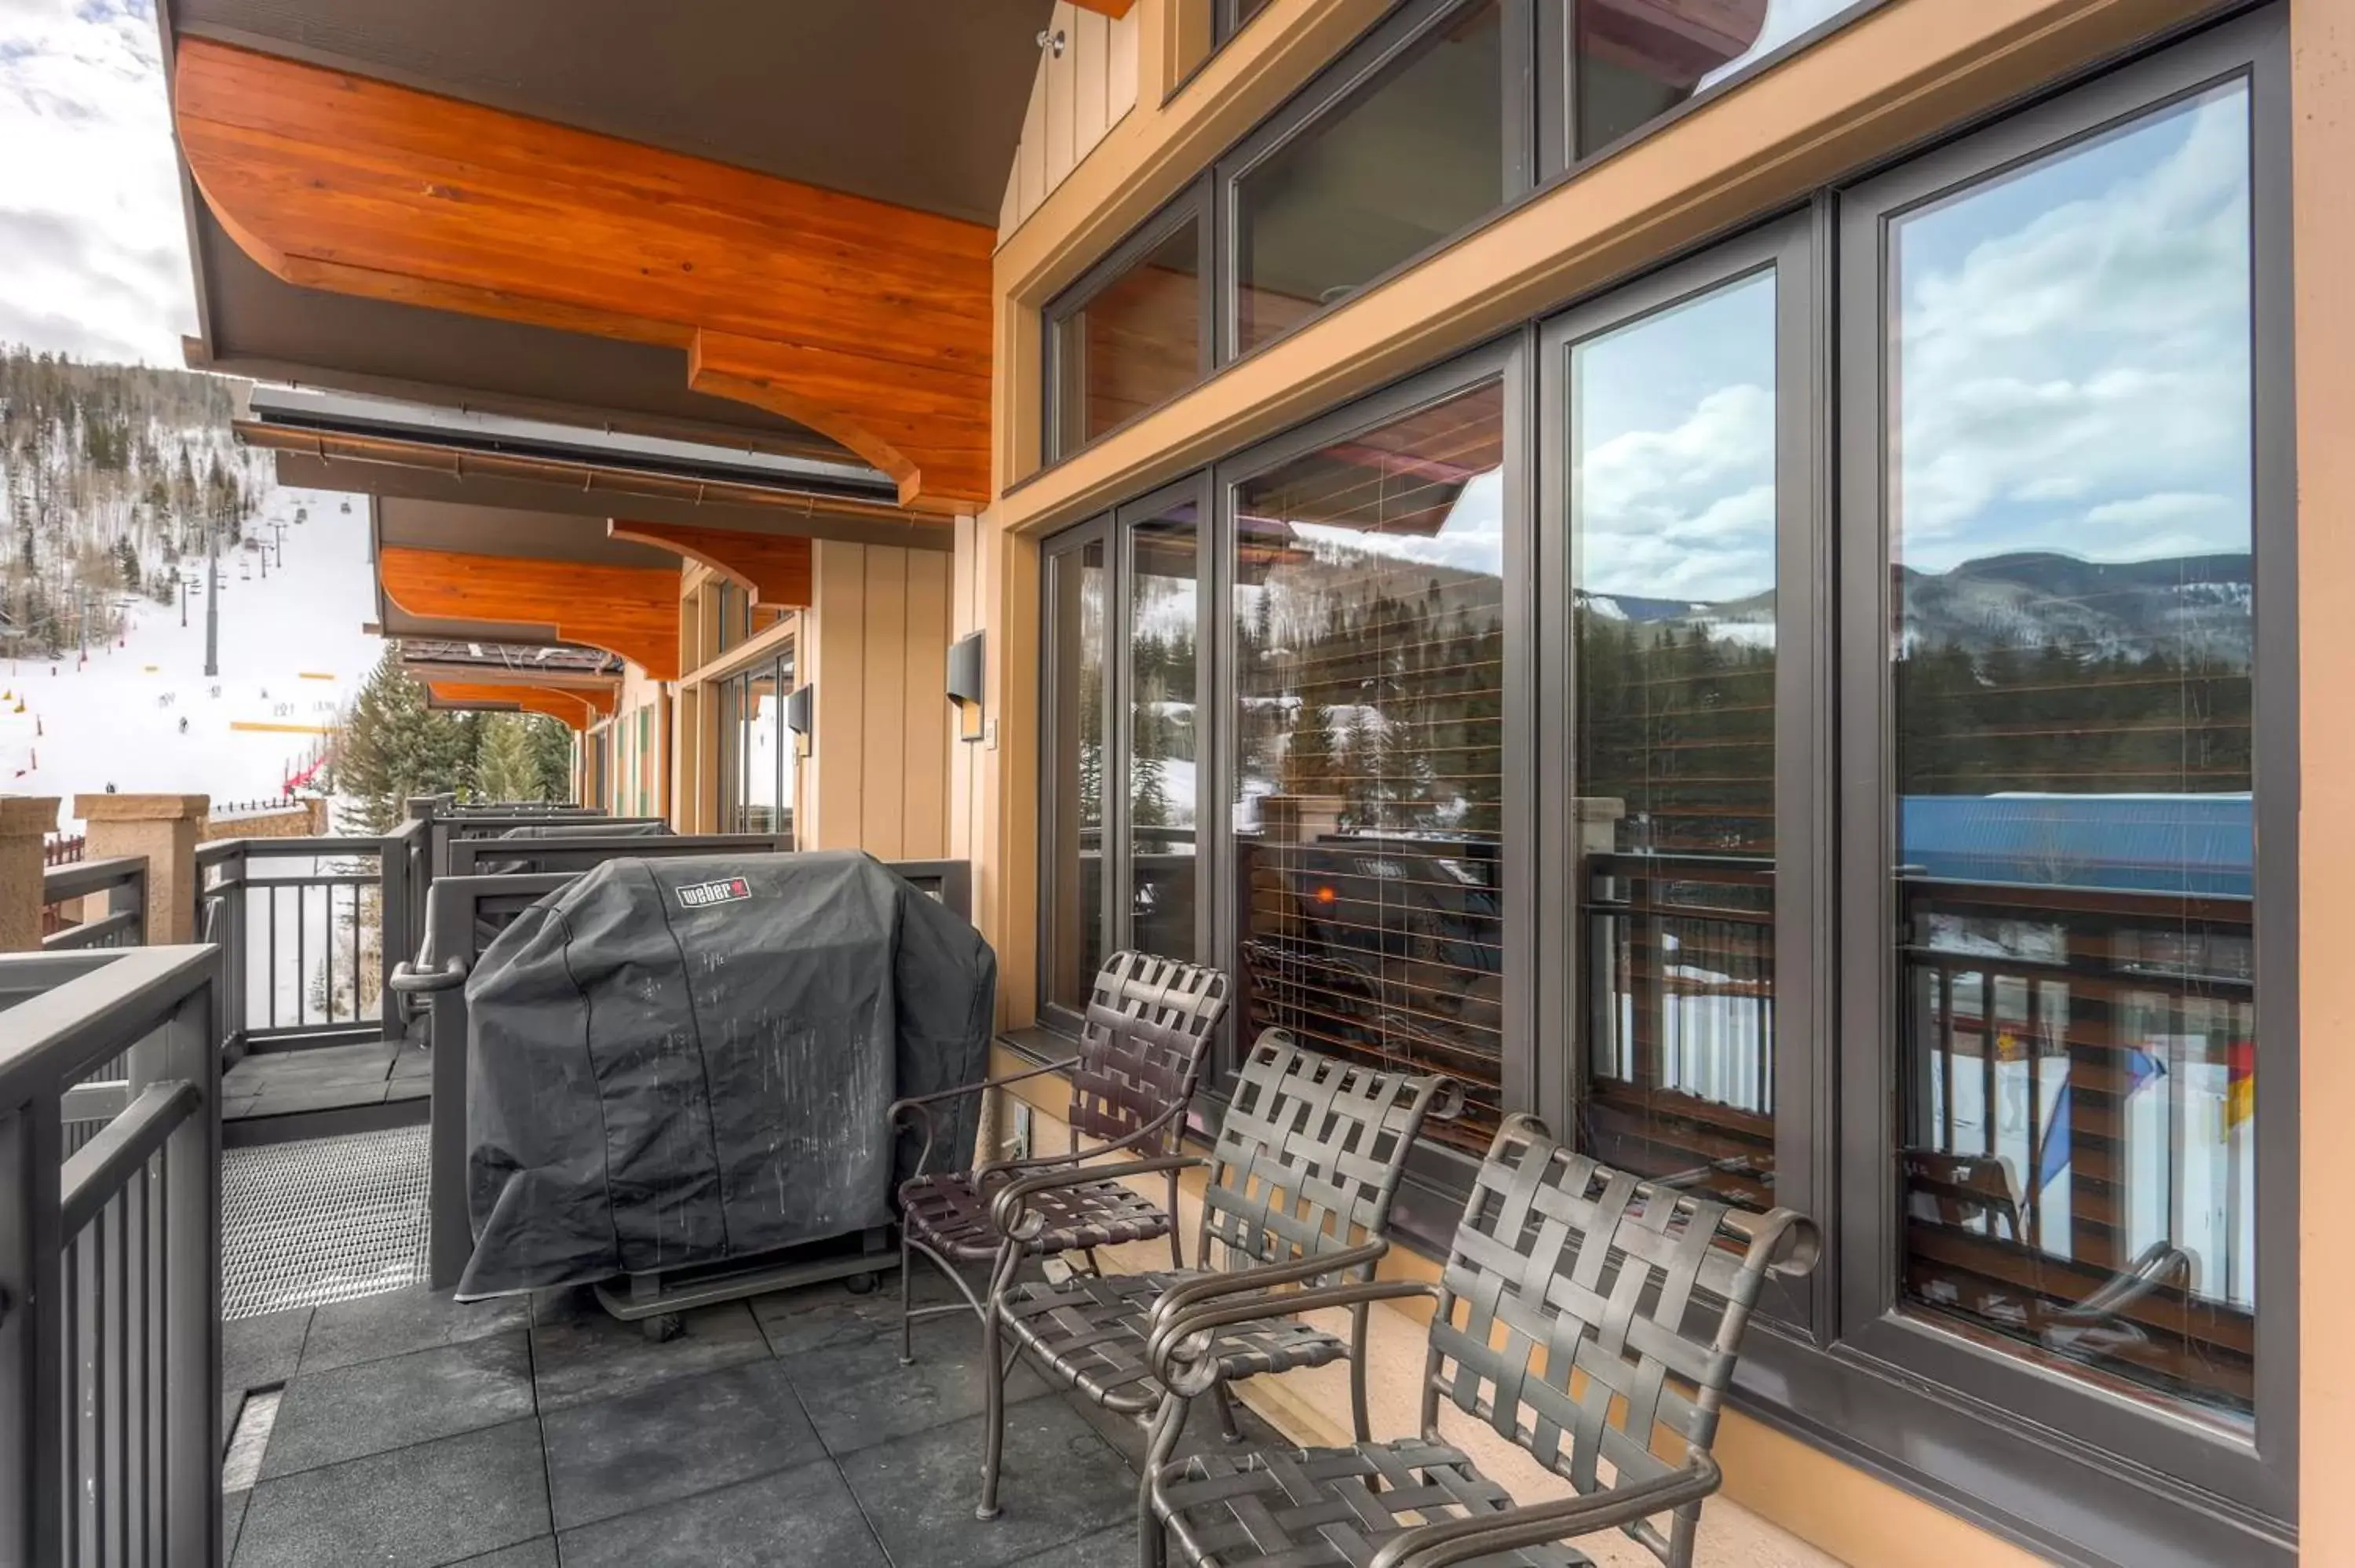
(95, 904)
(109, 1259)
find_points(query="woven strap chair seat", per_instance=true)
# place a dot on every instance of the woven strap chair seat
(951, 1214)
(1331, 1508)
(1091, 1332)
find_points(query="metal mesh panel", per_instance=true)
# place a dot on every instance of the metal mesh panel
(325, 1220)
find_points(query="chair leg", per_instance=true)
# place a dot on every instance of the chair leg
(1230, 1427)
(907, 1303)
(993, 1431)
(1169, 1424)
(1358, 1415)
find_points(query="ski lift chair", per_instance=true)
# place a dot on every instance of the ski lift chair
(1650, 1321)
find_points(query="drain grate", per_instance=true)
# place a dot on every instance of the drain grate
(329, 1219)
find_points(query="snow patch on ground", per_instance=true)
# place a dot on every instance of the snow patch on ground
(115, 719)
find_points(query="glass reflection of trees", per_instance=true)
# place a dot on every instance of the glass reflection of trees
(1369, 684)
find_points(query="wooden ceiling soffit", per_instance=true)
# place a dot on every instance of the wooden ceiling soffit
(566, 705)
(773, 567)
(629, 610)
(867, 321)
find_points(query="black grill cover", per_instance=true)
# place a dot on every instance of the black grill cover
(677, 1062)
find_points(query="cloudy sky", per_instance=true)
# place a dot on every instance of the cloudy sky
(93, 254)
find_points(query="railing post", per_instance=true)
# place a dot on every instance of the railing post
(32, 1334)
(25, 821)
(393, 925)
(185, 1049)
(161, 830)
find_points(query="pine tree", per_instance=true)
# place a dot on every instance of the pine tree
(506, 765)
(390, 746)
(551, 746)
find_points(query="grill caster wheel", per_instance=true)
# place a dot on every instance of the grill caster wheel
(862, 1284)
(661, 1329)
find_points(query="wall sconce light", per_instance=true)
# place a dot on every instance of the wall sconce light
(964, 685)
(801, 710)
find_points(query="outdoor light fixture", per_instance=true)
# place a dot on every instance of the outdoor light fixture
(801, 709)
(964, 685)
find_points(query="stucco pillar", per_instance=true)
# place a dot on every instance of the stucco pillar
(161, 830)
(25, 821)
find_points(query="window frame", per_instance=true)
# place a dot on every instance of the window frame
(1070, 543)
(1791, 248)
(2257, 1475)
(1438, 1177)
(1194, 205)
(1120, 734)
(1382, 46)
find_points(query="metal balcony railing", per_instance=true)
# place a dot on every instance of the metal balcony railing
(301, 923)
(67, 921)
(109, 1347)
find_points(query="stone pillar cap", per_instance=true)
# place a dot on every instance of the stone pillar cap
(142, 808)
(28, 816)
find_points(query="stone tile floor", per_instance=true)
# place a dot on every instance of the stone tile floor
(325, 1078)
(413, 1431)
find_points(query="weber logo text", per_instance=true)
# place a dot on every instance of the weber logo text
(703, 894)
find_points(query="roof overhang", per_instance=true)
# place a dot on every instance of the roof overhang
(767, 227)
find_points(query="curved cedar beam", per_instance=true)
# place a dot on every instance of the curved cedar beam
(869, 321)
(565, 706)
(773, 569)
(629, 610)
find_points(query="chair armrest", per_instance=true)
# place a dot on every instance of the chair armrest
(921, 1106)
(1540, 1524)
(1010, 1210)
(1237, 1281)
(1177, 1352)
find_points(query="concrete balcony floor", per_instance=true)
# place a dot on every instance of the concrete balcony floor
(416, 1432)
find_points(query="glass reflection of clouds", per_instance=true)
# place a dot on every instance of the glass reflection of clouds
(2073, 348)
(1672, 450)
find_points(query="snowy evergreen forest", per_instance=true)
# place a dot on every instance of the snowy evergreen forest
(111, 476)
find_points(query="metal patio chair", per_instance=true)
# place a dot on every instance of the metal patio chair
(1142, 1043)
(1580, 1309)
(1299, 1189)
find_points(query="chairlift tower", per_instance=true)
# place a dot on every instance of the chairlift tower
(212, 603)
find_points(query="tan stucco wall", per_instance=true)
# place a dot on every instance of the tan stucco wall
(2322, 45)
(305, 819)
(874, 775)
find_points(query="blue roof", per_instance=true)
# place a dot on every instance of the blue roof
(2145, 844)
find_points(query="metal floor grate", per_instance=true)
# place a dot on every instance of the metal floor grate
(325, 1220)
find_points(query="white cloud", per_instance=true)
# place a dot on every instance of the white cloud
(93, 248)
(2075, 359)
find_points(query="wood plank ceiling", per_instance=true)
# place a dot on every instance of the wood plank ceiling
(578, 709)
(867, 321)
(773, 569)
(629, 610)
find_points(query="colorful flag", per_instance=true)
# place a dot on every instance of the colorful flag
(2240, 1082)
(2052, 1151)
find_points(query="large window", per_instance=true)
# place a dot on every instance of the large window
(2072, 674)
(1844, 759)
(1678, 504)
(1635, 61)
(757, 755)
(1074, 888)
(1332, 197)
(2070, 741)
(1132, 336)
(1368, 788)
